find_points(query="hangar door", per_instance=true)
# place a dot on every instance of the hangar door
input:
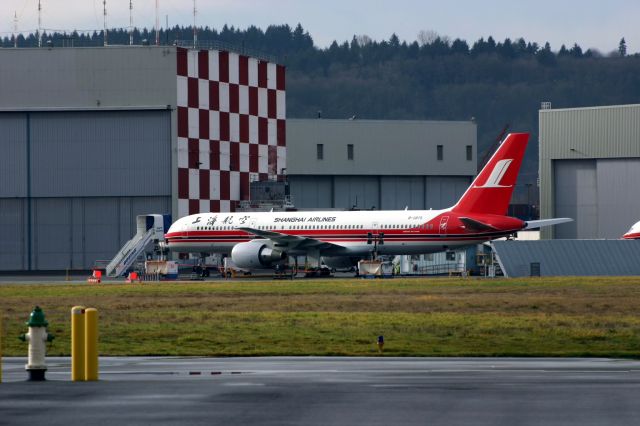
(602, 196)
(77, 179)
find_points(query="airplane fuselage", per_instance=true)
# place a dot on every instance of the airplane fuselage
(347, 232)
(265, 239)
(633, 233)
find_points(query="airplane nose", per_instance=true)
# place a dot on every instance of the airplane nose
(173, 228)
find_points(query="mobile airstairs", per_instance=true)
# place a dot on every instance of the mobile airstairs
(150, 229)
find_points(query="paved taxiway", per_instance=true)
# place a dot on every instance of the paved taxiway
(322, 391)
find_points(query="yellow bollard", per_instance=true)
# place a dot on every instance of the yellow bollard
(77, 343)
(91, 344)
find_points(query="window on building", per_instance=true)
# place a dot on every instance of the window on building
(451, 255)
(320, 151)
(469, 153)
(440, 152)
(350, 151)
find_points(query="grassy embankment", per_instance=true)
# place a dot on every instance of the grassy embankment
(422, 317)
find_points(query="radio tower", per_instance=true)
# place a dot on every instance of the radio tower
(104, 6)
(195, 32)
(15, 29)
(130, 22)
(39, 24)
(157, 23)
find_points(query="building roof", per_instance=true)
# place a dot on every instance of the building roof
(569, 257)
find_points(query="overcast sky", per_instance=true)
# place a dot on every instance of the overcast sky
(591, 23)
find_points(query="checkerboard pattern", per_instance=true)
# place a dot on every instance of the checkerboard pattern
(231, 127)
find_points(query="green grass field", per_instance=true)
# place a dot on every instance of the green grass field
(418, 317)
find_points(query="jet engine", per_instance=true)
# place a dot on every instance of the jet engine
(255, 255)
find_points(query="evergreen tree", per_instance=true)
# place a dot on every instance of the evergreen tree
(576, 51)
(563, 51)
(506, 49)
(545, 56)
(622, 47)
(459, 46)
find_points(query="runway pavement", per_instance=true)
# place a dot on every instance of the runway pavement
(328, 391)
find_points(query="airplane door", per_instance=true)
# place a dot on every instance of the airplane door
(444, 220)
(372, 236)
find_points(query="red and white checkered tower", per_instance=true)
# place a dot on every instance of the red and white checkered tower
(231, 127)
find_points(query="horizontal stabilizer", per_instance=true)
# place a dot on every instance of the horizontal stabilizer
(474, 225)
(535, 224)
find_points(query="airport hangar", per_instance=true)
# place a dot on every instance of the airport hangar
(589, 171)
(92, 137)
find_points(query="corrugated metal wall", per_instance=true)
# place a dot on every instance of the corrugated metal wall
(312, 191)
(601, 133)
(112, 153)
(602, 196)
(13, 157)
(75, 232)
(618, 196)
(69, 232)
(91, 174)
(356, 191)
(568, 257)
(398, 191)
(576, 197)
(380, 192)
(443, 192)
(13, 228)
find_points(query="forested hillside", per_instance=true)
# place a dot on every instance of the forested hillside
(496, 82)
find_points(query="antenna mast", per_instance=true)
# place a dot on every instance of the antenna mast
(15, 29)
(157, 23)
(39, 24)
(130, 22)
(104, 6)
(195, 32)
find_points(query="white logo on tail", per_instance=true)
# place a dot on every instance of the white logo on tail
(497, 174)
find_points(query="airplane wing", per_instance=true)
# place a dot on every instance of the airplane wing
(292, 241)
(475, 225)
(535, 224)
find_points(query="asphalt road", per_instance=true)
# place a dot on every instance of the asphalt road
(328, 391)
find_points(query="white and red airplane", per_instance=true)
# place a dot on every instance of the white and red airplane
(633, 233)
(261, 240)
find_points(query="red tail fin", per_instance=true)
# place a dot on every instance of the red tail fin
(491, 190)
